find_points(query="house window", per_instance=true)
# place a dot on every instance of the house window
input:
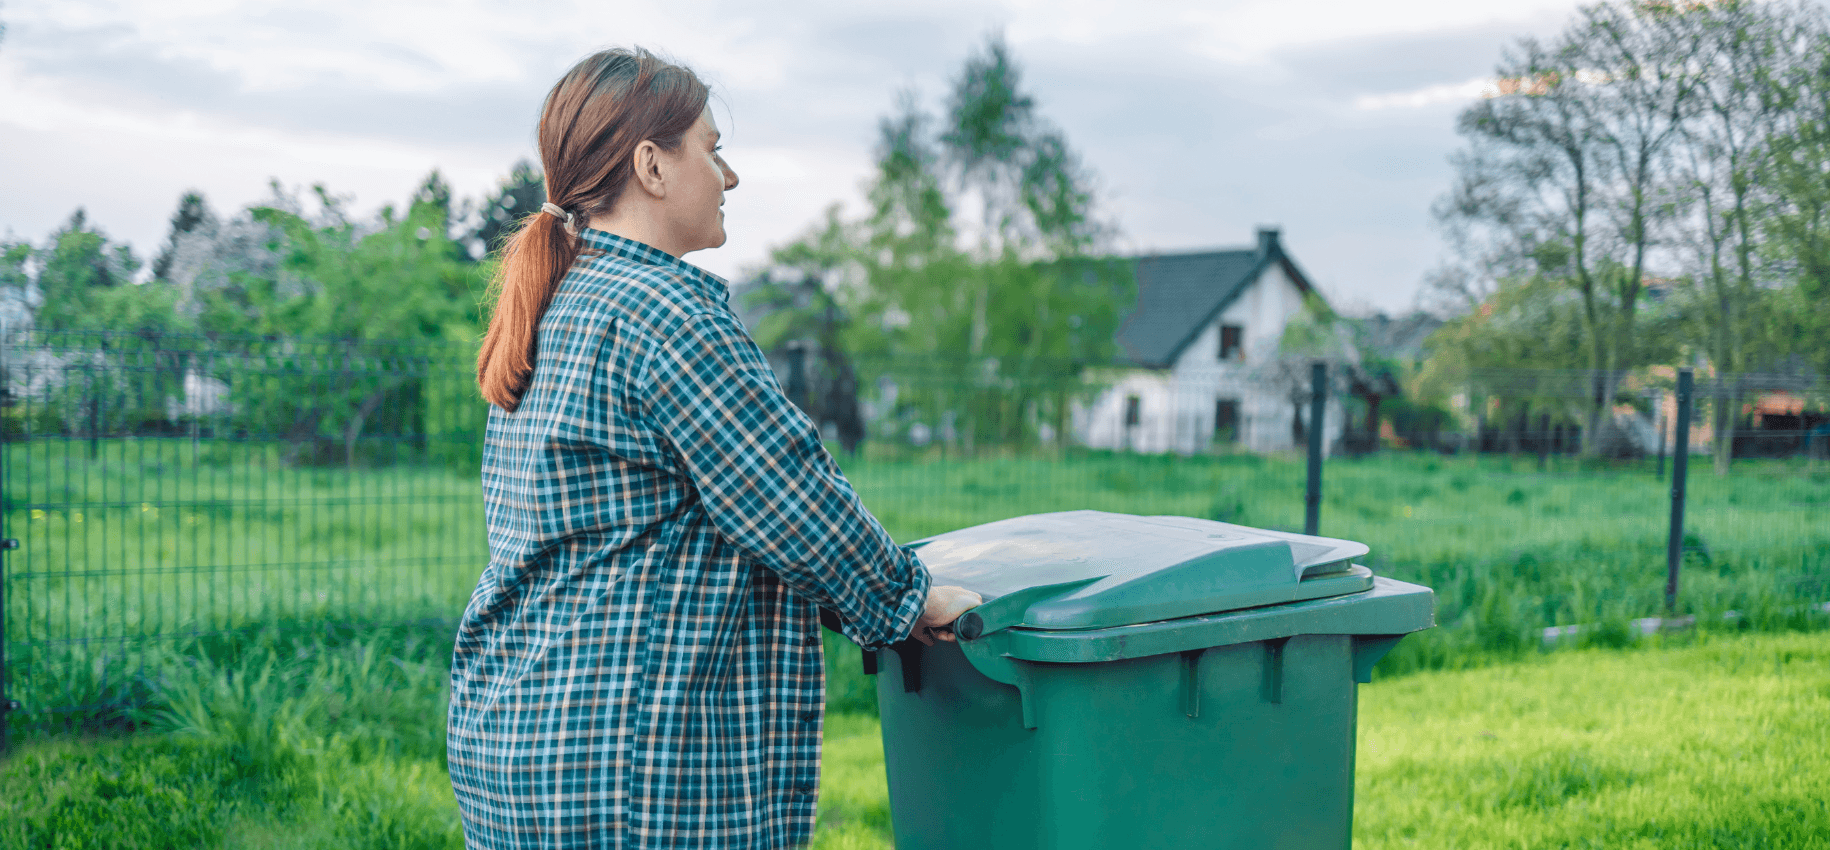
(1230, 339)
(1226, 420)
(1132, 403)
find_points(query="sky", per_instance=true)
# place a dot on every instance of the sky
(1201, 121)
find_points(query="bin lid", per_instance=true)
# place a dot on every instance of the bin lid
(1092, 569)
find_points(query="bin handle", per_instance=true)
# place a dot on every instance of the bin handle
(1009, 610)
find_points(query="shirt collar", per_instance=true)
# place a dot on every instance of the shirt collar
(619, 246)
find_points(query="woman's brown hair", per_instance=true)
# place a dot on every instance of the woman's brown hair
(593, 119)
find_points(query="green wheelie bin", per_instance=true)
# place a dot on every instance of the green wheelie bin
(1137, 682)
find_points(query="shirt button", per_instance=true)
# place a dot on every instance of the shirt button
(810, 717)
(806, 790)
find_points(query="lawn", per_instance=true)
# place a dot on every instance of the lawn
(279, 635)
(1699, 740)
(1706, 741)
(153, 541)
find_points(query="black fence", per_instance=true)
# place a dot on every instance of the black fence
(166, 491)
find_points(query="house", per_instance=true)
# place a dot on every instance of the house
(1199, 365)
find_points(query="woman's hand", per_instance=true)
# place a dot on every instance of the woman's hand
(944, 605)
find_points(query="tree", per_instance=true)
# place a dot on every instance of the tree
(1798, 229)
(519, 195)
(193, 214)
(804, 320)
(338, 280)
(1567, 164)
(435, 193)
(78, 263)
(16, 280)
(1675, 134)
(1005, 303)
(1752, 62)
(364, 285)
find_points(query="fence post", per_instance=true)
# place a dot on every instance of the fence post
(1543, 440)
(7, 705)
(1318, 409)
(1680, 465)
(95, 417)
(1658, 422)
(797, 390)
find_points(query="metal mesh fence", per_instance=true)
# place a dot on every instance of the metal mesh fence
(167, 490)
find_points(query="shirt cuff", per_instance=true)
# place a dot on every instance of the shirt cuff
(900, 622)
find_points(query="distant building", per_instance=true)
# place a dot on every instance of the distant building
(1199, 365)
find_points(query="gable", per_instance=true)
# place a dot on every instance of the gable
(1180, 294)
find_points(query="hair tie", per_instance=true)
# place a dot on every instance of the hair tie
(560, 213)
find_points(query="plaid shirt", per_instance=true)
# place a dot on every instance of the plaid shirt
(640, 664)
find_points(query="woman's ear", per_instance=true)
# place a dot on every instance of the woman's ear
(648, 169)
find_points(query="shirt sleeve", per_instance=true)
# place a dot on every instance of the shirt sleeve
(770, 487)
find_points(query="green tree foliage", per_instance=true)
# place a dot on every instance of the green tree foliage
(328, 288)
(519, 195)
(977, 258)
(1033, 192)
(1753, 62)
(804, 321)
(84, 282)
(74, 269)
(434, 192)
(15, 279)
(1797, 232)
(192, 214)
(399, 280)
(1651, 140)
(1564, 168)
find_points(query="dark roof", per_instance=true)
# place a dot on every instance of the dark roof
(1179, 294)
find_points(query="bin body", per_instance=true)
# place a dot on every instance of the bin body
(1228, 729)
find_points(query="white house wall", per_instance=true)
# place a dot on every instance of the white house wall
(1176, 405)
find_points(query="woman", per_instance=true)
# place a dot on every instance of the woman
(640, 664)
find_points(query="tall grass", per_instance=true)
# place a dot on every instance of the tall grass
(1509, 549)
(129, 558)
(285, 634)
(306, 738)
(134, 554)
(331, 740)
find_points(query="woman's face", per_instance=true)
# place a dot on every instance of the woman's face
(695, 189)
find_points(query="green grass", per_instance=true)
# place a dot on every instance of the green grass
(284, 738)
(247, 616)
(1708, 742)
(166, 539)
(1714, 742)
(128, 556)
(1700, 740)
(1508, 549)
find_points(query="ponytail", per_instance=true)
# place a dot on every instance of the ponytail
(592, 121)
(535, 259)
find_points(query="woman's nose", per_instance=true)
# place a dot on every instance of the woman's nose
(730, 179)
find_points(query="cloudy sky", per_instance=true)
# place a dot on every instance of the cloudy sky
(1330, 118)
